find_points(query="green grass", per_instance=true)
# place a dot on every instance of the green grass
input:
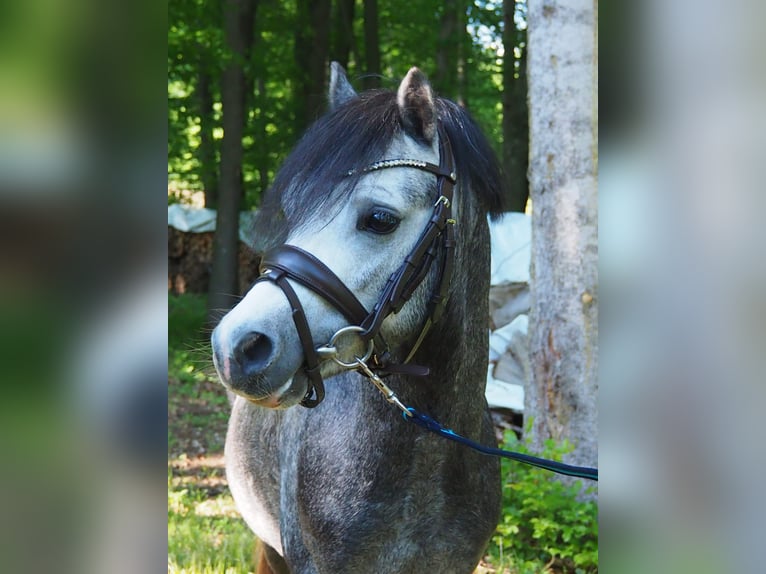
(544, 527)
(195, 398)
(188, 346)
(204, 534)
(186, 319)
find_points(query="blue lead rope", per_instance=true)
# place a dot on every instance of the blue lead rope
(412, 415)
(428, 423)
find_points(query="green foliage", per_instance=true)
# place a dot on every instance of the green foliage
(188, 348)
(546, 526)
(205, 535)
(196, 44)
(409, 35)
(186, 318)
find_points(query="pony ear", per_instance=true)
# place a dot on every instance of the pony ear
(340, 88)
(416, 106)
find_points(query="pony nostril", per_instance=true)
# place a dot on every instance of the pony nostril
(253, 352)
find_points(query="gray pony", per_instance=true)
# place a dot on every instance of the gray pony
(348, 486)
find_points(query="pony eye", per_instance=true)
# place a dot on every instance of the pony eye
(379, 221)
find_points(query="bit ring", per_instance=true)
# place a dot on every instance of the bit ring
(353, 363)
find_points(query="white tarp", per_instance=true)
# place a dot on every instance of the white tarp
(506, 376)
(191, 219)
(201, 220)
(511, 238)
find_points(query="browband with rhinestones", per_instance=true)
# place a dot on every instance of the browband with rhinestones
(386, 163)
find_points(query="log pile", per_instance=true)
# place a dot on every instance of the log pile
(190, 257)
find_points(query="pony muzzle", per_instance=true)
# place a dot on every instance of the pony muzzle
(251, 365)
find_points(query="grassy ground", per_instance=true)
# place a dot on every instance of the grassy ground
(544, 528)
(206, 535)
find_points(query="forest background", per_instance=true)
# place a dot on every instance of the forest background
(273, 58)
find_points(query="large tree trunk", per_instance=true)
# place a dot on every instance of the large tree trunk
(453, 43)
(371, 45)
(563, 327)
(445, 78)
(515, 111)
(312, 44)
(239, 16)
(343, 32)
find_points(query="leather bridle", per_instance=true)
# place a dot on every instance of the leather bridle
(290, 262)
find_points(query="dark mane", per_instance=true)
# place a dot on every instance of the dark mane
(477, 165)
(357, 134)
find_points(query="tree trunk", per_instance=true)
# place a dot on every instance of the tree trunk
(343, 32)
(312, 44)
(239, 16)
(463, 49)
(261, 139)
(563, 326)
(206, 151)
(453, 43)
(515, 111)
(371, 45)
(447, 48)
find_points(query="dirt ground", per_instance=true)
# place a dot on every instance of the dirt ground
(198, 431)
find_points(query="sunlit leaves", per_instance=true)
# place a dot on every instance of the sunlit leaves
(408, 36)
